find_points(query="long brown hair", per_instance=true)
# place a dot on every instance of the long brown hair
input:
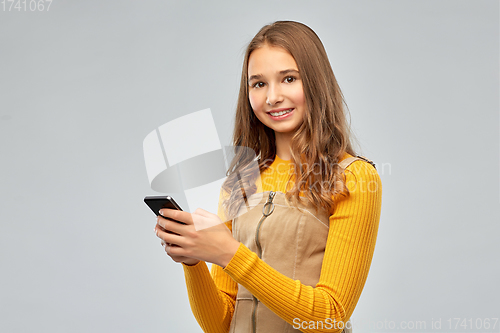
(319, 142)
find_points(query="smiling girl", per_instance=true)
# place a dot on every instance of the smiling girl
(300, 257)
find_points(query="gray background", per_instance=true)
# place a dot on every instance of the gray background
(83, 84)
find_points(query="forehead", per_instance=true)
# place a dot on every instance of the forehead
(269, 60)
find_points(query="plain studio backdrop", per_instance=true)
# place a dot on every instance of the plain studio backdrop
(82, 84)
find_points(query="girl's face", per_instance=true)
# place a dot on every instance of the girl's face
(275, 89)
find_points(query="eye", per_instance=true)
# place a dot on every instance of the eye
(258, 84)
(289, 79)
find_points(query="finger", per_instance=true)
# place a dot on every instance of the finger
(173, 250)
(205, 221)
(164, 230)
(163, 243)
(177, 259)
(203, 212)
(213, 217)
(170, 225)
(169, 238)
(178, 215)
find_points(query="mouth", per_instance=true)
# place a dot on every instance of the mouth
(280, 112)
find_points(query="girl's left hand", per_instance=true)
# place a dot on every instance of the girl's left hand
(203, 236)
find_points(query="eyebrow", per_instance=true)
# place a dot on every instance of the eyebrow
(283, 72)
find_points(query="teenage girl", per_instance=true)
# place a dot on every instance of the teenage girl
(299, 258)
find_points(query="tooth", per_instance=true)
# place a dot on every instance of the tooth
(276, 114)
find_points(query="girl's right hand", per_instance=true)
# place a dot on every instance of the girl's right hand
(180, 259)
(186, 260)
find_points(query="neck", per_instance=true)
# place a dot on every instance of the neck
(283, 146)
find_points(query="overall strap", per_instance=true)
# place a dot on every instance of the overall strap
(348, 161)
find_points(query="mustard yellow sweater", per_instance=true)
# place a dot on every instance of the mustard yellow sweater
(348, 254)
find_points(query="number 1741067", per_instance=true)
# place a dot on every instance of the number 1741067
(25, 5)
(484, 324)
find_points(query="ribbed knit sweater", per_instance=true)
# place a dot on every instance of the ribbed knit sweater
(348, 254)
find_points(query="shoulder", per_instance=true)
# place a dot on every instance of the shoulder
(357, 164)
(349, 159)
(360, 174)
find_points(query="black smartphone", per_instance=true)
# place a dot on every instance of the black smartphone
(158, 202)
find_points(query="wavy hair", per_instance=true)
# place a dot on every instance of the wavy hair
(319, 142)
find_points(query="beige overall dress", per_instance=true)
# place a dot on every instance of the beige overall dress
(291, 241)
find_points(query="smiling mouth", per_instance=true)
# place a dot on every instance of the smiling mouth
(280, 112)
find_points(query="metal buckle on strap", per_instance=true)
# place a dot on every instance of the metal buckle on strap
(367, 160)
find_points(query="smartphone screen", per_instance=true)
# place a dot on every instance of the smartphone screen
(158, 202)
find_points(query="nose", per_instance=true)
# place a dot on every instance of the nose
(274, 95)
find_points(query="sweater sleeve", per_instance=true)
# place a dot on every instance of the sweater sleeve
(348, 254)
(212, 295)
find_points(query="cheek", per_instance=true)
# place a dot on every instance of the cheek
(254, 101)
(299, 97)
